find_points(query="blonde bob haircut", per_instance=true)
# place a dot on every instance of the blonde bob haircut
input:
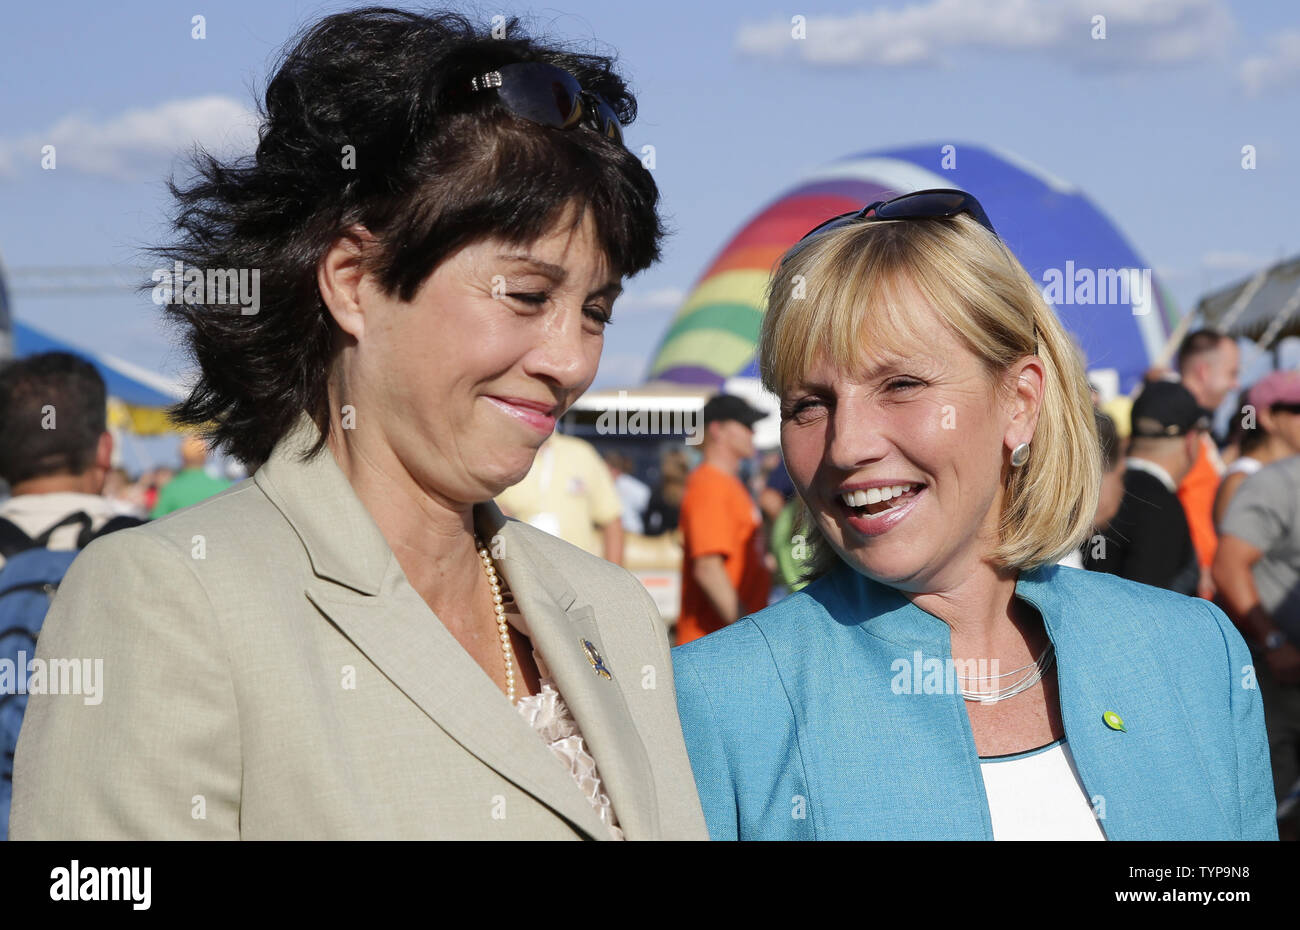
(841, 285)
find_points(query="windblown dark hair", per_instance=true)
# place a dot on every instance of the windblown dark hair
(436, 169)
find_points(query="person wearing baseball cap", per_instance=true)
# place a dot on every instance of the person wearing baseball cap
(1276, 399)
(1257, 571)
(724, 575)
(721, 408)
(1149, 540)
(1266, 429)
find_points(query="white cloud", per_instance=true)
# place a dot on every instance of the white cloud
(138, 142)
(1232, 261)
(664, 298)
(1139, 33)
(1279, 67)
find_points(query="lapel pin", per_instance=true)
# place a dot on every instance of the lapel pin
(1114, 721)
(595, 659)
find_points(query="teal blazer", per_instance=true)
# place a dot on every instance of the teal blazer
(826, 717)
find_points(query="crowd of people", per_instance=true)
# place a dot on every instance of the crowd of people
(411, 620)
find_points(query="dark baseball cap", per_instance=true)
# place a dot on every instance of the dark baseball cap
(1166, 408)
(722, 407)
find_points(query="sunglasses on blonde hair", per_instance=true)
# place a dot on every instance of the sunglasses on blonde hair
(935, 204)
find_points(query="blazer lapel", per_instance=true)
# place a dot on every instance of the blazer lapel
(567, 636)
(1140, 788)
(362, 590)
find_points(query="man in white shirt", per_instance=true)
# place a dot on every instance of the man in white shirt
(57, 450)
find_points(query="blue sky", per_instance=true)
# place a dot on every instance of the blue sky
(1150, 123)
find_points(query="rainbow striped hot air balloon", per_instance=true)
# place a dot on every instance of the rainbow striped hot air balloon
(1060, 237)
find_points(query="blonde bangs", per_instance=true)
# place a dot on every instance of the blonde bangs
(841, 302)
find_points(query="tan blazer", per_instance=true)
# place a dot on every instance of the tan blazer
(268, 673)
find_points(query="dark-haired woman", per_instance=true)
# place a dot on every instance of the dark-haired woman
(355, 643)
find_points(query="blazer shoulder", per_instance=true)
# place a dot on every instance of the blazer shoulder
(580, 569)
(733, 666)
(1084, 584)
(236, 541)
(1183, 628)
(242, 509)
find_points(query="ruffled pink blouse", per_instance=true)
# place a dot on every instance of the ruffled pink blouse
(547, 713)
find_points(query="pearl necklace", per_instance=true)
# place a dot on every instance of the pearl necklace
(498, 605)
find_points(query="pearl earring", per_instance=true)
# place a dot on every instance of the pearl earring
(1020, 454)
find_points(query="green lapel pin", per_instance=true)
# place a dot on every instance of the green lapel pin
(1114, 721)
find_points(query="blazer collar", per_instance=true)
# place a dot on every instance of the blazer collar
(892, 616)
(361, 589)
(341, 538)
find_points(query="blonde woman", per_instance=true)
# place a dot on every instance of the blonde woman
(943, 678)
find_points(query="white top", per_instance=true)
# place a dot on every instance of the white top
(1037, 795)
(1072, 559)
(1244, 464)
(1151, 468)
(36, 513)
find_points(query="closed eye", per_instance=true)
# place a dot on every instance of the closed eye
(537, 299)
(903, 384)
(800, 409)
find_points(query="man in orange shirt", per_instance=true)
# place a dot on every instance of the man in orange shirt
(1208, 365)
(723, 573)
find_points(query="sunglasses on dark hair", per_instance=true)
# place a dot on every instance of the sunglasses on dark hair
(549, 95)
(936, 204)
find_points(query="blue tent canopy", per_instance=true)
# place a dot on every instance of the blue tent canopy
(145, 393)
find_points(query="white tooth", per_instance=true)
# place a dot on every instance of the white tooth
(859, 499)
(901, 489)
(873, 495)
(847, 497)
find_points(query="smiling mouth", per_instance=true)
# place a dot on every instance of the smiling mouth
(875, 501)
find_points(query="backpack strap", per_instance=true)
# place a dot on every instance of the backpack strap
(120, 522)
(43, 540)
(13, 540)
